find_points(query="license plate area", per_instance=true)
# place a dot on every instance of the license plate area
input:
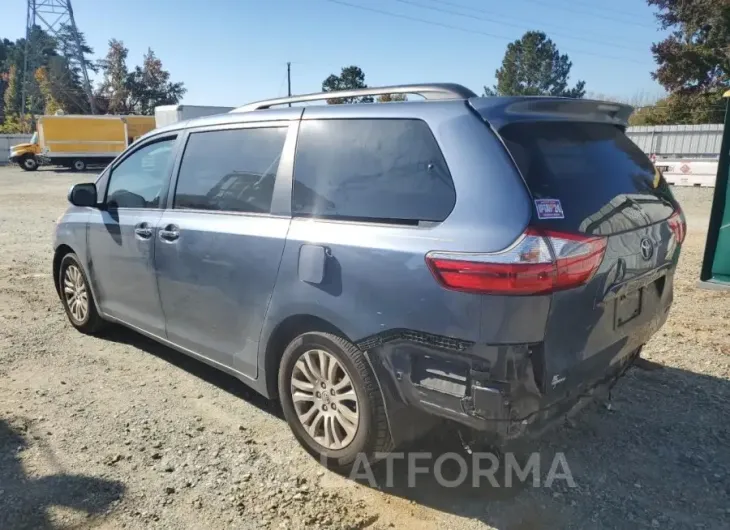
(628, 307)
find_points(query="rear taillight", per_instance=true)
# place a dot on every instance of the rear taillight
(678, 226)
(538, 262)
(577, 258)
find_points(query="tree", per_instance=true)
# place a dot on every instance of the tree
(13, 121)
(150, 86)
(351, 77)
(694, 60)
(139, 91)
(533, 66)
(67, 47)
(657, 114)
(680, 108)
(57, 56)
(41, 50)
(7, 49)
(51, 104)
(387, 98)
(11, 67)
(113, 91)
(65, 71)
(55, 80)
(11, 98)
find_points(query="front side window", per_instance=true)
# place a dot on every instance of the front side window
(386, 170)
(230, 170)
(138, 181)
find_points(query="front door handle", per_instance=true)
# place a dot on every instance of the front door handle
(170, 233)
(143, 231)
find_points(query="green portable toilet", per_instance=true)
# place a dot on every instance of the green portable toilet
(716, 263)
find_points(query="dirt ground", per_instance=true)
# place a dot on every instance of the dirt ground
(119, 432)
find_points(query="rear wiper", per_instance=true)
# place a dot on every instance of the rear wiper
(650, 199)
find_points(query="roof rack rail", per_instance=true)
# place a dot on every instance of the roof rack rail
(428, 91)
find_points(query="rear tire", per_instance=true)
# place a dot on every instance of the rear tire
(358, 427)
(78, 302)
(28, 163)
(78, 165)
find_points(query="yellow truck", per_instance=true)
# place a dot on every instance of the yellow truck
(77, 142)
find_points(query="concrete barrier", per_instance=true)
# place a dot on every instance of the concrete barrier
(7, 140)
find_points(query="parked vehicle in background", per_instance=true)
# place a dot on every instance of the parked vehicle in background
(683, 172)
(381, 268)
(169, 114)
(77, 141)
(138, 126)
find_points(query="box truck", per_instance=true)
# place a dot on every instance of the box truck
(77, 141)
(138, 126)
(169, 114)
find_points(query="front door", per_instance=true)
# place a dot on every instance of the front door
(218, 246)
(122, 237)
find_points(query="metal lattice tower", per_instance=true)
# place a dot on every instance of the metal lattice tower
(51, 16)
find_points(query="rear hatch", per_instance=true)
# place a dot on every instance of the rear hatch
(592, 187)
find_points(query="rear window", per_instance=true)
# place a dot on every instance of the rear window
(371, 170)
(604, 183)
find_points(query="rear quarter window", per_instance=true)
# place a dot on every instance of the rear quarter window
(388, 170)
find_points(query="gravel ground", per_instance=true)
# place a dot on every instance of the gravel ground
(119, 432)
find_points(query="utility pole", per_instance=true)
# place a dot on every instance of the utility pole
(52, 16)
(288, 79)
(29, 21)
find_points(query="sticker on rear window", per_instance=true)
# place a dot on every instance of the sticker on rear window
(549, 209)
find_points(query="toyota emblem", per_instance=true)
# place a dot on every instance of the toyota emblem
(647, 248)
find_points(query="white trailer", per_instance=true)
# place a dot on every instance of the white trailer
(169, 114)
(687, 172)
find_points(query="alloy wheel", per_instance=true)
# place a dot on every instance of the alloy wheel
(75, 293)
(324, 399)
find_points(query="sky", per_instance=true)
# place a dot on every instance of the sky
(230, 52)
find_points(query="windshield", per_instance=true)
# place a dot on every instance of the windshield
(34, 138)
(587, 177)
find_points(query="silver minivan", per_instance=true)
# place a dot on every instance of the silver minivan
(380, 268)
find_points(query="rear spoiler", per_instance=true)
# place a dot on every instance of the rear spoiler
(499, 111)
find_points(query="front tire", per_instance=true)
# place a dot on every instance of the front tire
(73, 287)
(332, 401)
(28, 163)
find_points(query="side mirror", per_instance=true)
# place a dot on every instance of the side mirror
(82, 195)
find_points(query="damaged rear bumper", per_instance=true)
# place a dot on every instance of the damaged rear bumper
(500, 391)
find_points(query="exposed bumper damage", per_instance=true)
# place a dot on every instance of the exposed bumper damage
(500, 391)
